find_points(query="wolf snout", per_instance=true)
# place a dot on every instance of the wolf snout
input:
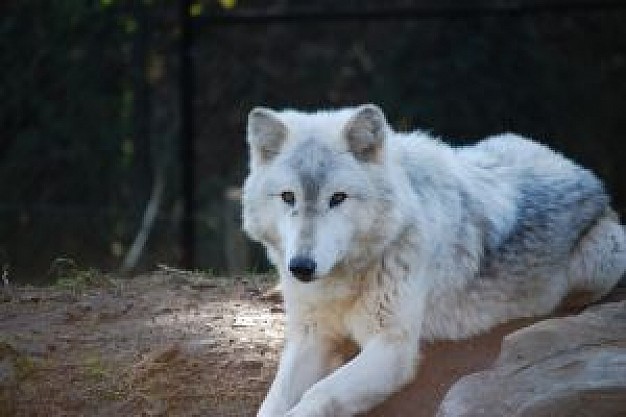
(302, 267)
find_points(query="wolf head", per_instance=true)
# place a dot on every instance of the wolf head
(318, 195)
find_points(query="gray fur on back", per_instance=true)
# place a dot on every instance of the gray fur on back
(556, 202)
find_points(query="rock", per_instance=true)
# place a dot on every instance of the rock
(557, 367)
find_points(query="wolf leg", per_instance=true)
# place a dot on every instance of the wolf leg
(305, 360)
(597, 262)
(386, 363)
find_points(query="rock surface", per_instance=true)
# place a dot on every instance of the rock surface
(571, 366)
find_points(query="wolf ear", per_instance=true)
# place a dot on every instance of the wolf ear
(365, 133)
(266, 134)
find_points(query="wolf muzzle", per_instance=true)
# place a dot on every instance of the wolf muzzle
(303, 268)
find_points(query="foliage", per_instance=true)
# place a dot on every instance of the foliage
(90, 105)
(63, 102)
(67, 275)
(75, 151)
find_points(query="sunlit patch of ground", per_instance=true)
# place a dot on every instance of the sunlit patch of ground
(166, 344)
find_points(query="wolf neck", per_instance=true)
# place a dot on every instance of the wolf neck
(334, 304)
(349, 283)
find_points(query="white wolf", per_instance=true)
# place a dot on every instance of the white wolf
(384, 238)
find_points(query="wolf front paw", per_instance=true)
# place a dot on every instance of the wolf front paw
(310, 407)
(299, 411)
(276, 412)
(272, 409)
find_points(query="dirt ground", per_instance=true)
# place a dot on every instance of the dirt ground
(165, 344)
(175, 343)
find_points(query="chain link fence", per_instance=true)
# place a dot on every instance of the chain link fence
(92, 106)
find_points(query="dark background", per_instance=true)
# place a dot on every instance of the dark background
(92, 105)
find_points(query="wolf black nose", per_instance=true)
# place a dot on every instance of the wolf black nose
(302, 268)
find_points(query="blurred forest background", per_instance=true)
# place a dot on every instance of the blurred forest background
(93, 113)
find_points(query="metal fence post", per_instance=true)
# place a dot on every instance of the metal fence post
(187, 150)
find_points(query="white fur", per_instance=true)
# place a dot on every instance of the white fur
(417, 250)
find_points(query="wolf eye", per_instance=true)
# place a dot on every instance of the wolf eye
(288, 197)
(337, 199)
